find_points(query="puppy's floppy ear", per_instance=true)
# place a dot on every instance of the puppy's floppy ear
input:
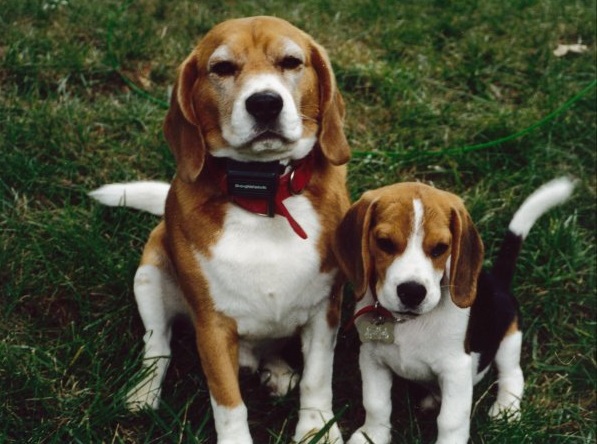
(181, 127)
(351, 244)
(466, 257)
(332, 139)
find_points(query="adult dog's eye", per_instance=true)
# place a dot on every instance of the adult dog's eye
(386, 245)
(223, 69)
(290, 62)
(438, 250)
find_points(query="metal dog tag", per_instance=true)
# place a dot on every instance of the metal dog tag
(375, 328)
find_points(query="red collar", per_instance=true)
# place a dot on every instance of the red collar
(291, 183)
(380, 311)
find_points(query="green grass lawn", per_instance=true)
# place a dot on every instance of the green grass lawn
(424, 81)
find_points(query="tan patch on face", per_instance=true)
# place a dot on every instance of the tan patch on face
(437, 243)
(392, 225)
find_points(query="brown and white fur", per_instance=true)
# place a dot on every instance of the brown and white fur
(253, 90)
(415, 250)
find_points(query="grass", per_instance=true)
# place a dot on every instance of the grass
(418, 77)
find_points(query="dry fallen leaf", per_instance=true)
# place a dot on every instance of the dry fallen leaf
(562, 50)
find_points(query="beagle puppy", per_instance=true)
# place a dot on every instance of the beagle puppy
(256, 126)
(426, 310)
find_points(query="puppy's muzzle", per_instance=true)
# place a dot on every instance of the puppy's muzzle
(264, 106)
(411, 294)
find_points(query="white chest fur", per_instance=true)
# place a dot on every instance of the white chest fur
(262, 274)
(426, 346)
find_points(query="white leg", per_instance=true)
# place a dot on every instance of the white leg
(377, 400)
(510, 378)
(456, 385)
(318, 342)
(231, 424)
(157, 302)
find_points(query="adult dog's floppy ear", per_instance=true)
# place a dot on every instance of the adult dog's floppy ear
(181, 127)
(466, 258)
(351, 244)
(332, 139)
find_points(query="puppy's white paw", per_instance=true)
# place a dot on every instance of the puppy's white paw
(510, 412)
(309, 425)
(278, 376)
(367, 435)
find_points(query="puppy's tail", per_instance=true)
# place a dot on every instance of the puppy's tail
(146, 195)
(549, 195)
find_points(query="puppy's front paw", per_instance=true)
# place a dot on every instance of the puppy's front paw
(368, 435)
(309, 425)
(510, 412)
(278, 377)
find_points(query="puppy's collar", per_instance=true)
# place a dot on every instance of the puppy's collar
(262, 187)
(380, 313)
(377, 312)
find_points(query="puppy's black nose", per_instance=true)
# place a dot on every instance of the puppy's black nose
(411, 293)
(265, 106)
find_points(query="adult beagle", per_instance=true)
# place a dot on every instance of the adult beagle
(256, 126)
(426, 311)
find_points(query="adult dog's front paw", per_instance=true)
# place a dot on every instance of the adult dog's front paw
(144, 396)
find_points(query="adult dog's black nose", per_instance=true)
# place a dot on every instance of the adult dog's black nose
(411, 293)
(265, 106)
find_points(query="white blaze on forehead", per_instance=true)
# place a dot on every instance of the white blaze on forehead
(417, 232)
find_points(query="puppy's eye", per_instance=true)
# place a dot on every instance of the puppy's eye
(223, 69)
(290, 62)
(386, 245)
(438, 250)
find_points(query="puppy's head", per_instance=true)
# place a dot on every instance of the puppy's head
(405, 242)
(255, 89)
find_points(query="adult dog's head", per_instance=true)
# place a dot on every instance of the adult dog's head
(406, 242)
(255, 89)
